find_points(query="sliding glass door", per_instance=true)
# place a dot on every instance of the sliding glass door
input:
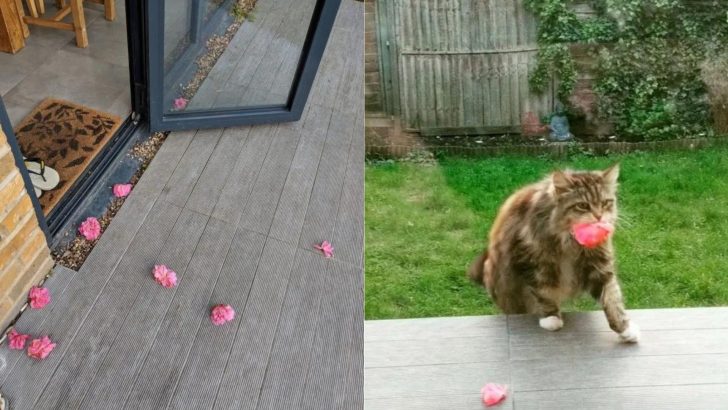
(216, 63)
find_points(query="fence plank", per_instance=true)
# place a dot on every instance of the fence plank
(458, 63)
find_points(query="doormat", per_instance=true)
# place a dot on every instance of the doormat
(67, 136)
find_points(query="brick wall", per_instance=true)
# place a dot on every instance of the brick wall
(24, 255)
(372, 88)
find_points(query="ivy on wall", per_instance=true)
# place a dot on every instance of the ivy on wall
(648, 70)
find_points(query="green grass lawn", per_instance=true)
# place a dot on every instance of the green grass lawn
(425, 223)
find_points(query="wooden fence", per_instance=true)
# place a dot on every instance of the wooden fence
(458, 66)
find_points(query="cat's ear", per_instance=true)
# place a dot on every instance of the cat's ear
(611, 174)
(561, 181)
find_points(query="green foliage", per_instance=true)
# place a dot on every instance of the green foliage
(238, 12)
(559, 27)
(648, 76)
(649, 95)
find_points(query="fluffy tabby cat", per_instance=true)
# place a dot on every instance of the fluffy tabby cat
(533, 263)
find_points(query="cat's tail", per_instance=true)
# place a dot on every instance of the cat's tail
(477, 268)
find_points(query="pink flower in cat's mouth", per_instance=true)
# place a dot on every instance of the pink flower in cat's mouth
(90, 229)
(327, 249)
(17, 340)
(164, 276)
(222, 314)
(122, 190)
(179, 103)
(492, 393)
(591, 235)
(39, 297)
(40, 348)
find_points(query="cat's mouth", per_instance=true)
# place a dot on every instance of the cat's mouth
(591, 235)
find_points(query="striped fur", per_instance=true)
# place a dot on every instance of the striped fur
(532, 263)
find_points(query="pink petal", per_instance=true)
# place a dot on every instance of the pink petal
(493, 394)
(326, 248)
(221, 314)
(180, 103)
(40, 348)
(591, 235)
(39, 297)
(165, 276)
(90, 229)
(17, 340)
(121, 190)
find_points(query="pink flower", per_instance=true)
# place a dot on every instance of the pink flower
(592, 235)
(90, 229)
(493, 394)
(165, 276)
(121, 190)
(39, 297)
(17, 340)
(180, 103)
(222, 314)
(40, 348)
(326, 248)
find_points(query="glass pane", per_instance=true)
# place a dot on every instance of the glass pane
(231, 54)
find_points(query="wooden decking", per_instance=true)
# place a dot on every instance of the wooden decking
(260, 62)
(235, 213)
(681, 362)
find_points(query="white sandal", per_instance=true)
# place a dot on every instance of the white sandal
(3, 403)
(43, 177)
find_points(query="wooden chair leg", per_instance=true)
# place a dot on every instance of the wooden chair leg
(31, 8)
(110, 9)
(21, 14)
(41, 6)
(60, 4)
(79, 23)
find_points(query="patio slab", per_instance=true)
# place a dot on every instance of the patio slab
(441, 363)
(235, 213)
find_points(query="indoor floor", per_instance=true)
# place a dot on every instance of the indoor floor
(51, 65)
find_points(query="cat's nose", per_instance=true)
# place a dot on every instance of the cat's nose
(597, 215)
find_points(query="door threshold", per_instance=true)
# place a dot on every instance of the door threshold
(91, 191)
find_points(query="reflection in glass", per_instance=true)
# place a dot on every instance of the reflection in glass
(213, 61)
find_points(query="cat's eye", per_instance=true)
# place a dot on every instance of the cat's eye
(607, 203)
(582, 206)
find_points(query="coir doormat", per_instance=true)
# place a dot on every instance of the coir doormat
(67, 136)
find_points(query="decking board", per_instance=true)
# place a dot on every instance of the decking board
(211, 348)
(288, 218)
(116, 374)
(441, 363)
(263, 200)
(327, 383)
(208, 187)
(101, 326)
(166, 358)
(291, 353)
(190, 167)
(244, 373)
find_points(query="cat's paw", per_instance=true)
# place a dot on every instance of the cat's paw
(551, 323)
(631, 334)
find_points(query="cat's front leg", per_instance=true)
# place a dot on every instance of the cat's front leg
(548, 309)
(609, 294)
